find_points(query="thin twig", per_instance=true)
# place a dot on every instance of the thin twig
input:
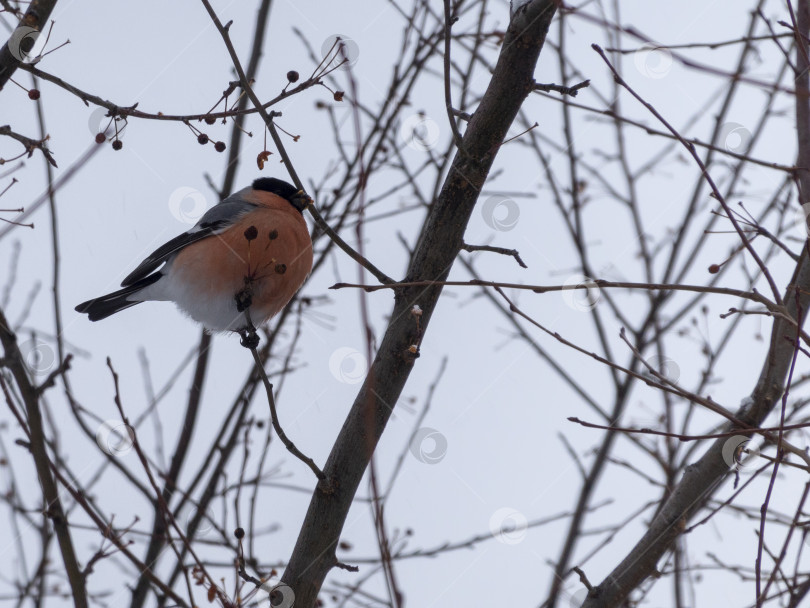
(268, 120)
(691, 149)
(502, 250)
(30, 144)
(562, 90)
(448, 100)
(754, 296)
(250, 341)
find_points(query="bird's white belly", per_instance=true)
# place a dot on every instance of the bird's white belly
(215, 312)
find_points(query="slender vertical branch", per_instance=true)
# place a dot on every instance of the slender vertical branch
(52, 504)
(449, 19)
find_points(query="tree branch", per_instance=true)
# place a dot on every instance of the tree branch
(14, 50)
(52, 504)
(438, 246)
(705, 476)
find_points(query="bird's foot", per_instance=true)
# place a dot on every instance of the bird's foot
(249, 338)
(244, 298)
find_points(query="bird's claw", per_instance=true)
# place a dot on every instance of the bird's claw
(249, 338)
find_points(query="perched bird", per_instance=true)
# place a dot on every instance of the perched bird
(250, 251)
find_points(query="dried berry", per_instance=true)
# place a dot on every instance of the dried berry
(202, 139)
(273, 234)
(714, 268)
(338, 95)
(292, 76)
(100, 139)
(117, 144)
(209, 120)
(281, 268)
(33, 94)
(219, 146)
(251, 233)
(239, 533)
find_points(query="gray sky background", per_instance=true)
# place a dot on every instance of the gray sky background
(498, 409)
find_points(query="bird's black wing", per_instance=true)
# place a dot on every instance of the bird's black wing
(215, 220)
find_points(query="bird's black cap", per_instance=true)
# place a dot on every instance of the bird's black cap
(297, 198)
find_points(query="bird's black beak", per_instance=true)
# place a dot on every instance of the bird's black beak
(301, 200)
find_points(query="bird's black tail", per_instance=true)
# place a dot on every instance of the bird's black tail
(104, 306)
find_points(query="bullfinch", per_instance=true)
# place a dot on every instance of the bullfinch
(250, 251)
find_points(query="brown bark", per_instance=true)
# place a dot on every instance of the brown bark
(439, 244)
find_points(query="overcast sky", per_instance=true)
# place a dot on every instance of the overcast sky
(492, 451)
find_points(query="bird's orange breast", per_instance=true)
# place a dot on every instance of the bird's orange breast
(267, 252)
